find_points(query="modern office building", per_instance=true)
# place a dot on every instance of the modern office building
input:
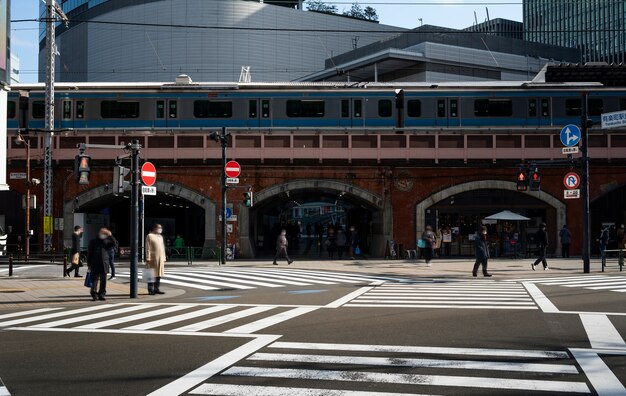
(156, 40)
(597, 28)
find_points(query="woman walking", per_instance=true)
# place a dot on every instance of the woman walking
(430, 241)
(482, 252)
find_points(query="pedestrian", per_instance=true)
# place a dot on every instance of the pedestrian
(341, 243)
(541, 239)
(75, 252)
(446, 241)
(604, 238)
(566, 240)
(98, 263)
(112, 251)
(179, 242)
(482, 252)
(430, 240)
(353, 240)
(621, 237)
(155, 258)
(281, 247)
(437, 248)
(331, 243)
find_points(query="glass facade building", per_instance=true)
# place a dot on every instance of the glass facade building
(596, 27)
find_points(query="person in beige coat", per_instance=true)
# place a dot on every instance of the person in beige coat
(155, 258)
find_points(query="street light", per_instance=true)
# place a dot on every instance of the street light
(19, 140)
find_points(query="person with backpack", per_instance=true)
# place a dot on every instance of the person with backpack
(541, 239)
(566, 240)
(604, 239)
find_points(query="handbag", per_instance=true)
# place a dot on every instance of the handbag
(421, 243)
(76, 258)
(148, 275)
(88, 280)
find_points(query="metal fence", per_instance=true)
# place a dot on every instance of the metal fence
(612, 256)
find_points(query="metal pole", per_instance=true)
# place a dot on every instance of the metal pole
(134, 217)
(28, 181)
(586, 246)
(224, 143)
(49, 125)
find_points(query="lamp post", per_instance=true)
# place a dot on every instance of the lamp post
(20, 140)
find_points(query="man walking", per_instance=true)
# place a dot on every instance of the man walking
(98, 263)
(604, 239)
(482, 252)
(75, 252)
(541, 239)
(281, 247)
(566, 240)
(112, 251)
(155, 258)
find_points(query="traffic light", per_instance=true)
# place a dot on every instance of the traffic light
(119, 173)
(247, 199)
(82, 169)
(535, 180)
(522, 180)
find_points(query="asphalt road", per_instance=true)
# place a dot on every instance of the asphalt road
(285, 331)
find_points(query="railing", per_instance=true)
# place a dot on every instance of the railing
(619, 256)
(187, 253)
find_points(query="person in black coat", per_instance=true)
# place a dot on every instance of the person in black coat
(75, 252)
(482, 252)
(98, 263)
(541, 239)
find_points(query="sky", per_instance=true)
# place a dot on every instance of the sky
(447, 13)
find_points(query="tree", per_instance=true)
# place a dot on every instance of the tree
(320, 6)
(370, 14)
(367, 14)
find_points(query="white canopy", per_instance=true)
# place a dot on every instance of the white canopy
(506, 215)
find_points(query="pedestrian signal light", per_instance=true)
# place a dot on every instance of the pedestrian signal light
(82, 169)
(119, 184)
(535, 180)
(522, 181)
(247, 199)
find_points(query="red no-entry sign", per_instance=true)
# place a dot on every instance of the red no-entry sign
(148, 173)
(233, 169)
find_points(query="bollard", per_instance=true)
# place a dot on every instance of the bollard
(65, 266)
(11, 265)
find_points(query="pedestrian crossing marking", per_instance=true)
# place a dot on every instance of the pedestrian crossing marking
(251, 278)
(116, 321)
(459, 367)
(270, 321)
(591, 282)
(224, 319)
(451, 294)
(179, 318)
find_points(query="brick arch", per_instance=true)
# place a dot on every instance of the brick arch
(382, 211)
(174, 189)
(421, 207)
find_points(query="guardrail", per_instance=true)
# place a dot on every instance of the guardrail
(620, 258)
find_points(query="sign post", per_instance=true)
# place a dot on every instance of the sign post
(148, 173)
(584, 138)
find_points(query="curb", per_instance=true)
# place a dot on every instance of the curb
(3, 389)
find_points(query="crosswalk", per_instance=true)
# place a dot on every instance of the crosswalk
(182, 319)
(293, 368)
(458, 294)
(590, 282)
(251, 278)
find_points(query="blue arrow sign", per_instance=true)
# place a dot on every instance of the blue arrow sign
(229, 213)
(570, 135)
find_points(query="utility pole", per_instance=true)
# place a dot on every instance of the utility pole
(224, 142)
(134, 217)
(53, 10)
(584, 182)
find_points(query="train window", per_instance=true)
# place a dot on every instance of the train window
(265, 108)
(385, 108)
(493, 107)
(80, 109)
(67, 110)
(345, 108)
(173, 107)
(305, 108)
(252, 112)
(414, 108)
(454, 108)
(160, 109)
(11, 109)
(532, 107)
(545, 107)
(358, 108)
(39, 109)
(116, 109)
(211, 109)
(573, 107)
(441, 108)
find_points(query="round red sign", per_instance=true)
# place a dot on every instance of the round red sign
(148, 173)
(571, 181)
(233, 169)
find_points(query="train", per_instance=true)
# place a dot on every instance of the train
(318, 106)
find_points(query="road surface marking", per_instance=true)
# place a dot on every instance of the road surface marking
(425, 350)
(421, 363)
(601, 332)
(251, 280)
(248, 390)
(175, 283)
(275, 278)
(301, 277)
(598, 282)
(84, 318)
(3, 389)
(271, 320)
(367, 300)
(38, 318)
(349, 297)
(180, 318)
(604, 382)
(550, 279)
(447, 298)
(542, 301)
(131, 318)
(411, 379)
(224, 319)
(207, 282)
(434, 306)
(25, 313)
(205, 372)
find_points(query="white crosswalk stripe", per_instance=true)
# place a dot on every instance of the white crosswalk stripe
(141, 317)
(241, 278)
(591, 282)
(385, 366)
(451, 294)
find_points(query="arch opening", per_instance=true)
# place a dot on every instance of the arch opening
(609, 209)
